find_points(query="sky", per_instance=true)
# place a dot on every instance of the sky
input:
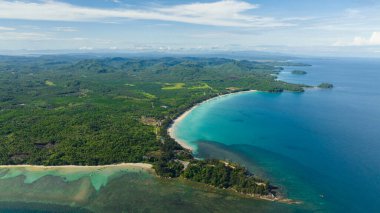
(324, 27)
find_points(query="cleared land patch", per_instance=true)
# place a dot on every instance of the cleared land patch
(201, 86)
(173, 86)
(49, 83)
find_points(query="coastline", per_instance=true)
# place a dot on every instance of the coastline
(182, 116)
(149, 167)
(144, 166)
(171, 132)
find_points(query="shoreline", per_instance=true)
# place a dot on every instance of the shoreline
(179, 119)
(144, 166)
(171, 132)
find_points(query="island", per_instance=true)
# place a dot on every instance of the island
(326, 86)
(91, 111)
(299, 72)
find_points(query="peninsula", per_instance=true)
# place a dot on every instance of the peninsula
(326, 86)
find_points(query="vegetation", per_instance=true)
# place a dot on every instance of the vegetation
(224, 175)
(299, 72)
(57, 110)
(326, 86)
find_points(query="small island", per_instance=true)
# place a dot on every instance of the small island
(299, 72)
(326, 86)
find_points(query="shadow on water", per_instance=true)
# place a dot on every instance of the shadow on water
(256, 158)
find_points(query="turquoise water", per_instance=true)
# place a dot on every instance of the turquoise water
(132, 191)
(321, 146)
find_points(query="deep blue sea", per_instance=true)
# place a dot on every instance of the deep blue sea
(321, 147)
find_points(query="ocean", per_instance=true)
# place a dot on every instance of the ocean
(321, 147)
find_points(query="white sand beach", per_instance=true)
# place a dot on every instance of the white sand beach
(144, 166)
(179, 119)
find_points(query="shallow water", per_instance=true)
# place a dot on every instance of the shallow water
(132, 191)
(321, 146)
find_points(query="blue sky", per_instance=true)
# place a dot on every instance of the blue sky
(349, 27)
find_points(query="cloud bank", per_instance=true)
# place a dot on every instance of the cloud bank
(6, 28)
(227, 13)
(373, 40)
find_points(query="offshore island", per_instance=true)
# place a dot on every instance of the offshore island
(299, 72)
(66, 110)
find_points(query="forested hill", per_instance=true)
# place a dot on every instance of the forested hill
(58, 110)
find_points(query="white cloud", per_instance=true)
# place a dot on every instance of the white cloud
(6, 28)
(30, 36)
(232, 13)
(79, 39)
(214, 9)
(374, 40)
(66, 29)
(86, 48)
(360, 41)
(114, 1)
(30, 27)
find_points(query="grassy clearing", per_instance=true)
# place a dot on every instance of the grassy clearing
(173, 86)
(148, 95)
(49, 83)
(201, 86)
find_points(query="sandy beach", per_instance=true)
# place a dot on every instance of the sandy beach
(179, 119)
(144, 166)
(171, 130)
